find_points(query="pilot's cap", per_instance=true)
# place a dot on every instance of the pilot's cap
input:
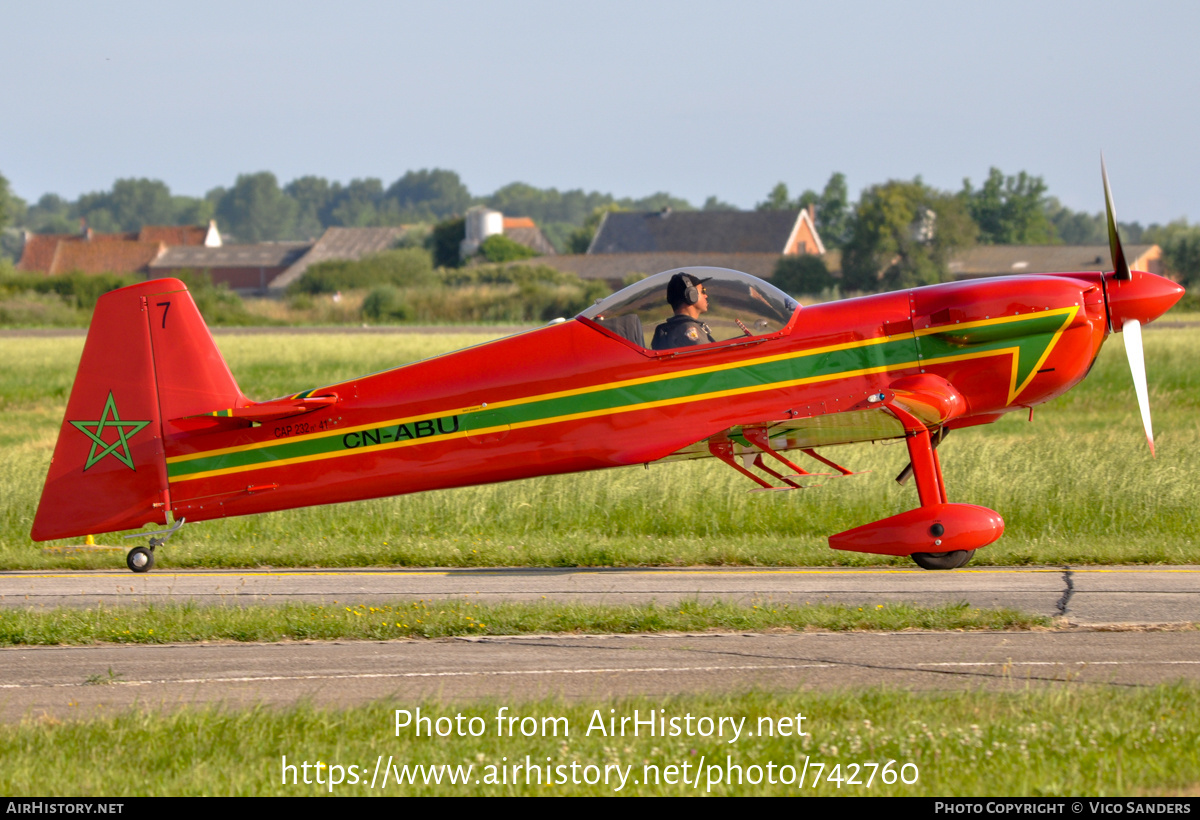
(678, 286)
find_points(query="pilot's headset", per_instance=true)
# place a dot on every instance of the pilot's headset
(690, 285)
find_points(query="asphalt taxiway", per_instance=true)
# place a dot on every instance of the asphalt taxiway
(1085, 595)
(1116, 626)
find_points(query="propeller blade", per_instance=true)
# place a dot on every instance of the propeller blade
(1137, 367)
(1120, 264)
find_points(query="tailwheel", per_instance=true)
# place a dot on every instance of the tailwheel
(140, 559)
(943, 560)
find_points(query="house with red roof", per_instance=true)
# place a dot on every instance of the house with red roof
(128, 252)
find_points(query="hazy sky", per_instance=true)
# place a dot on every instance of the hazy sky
(695, 98)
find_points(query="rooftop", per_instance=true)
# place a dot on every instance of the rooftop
(341, 243)
(261, 255)
(696, 232)
(990, 260)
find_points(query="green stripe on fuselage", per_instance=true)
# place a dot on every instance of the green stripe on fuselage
(1032, 336)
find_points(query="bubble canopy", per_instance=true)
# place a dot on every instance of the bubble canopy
(739, 306)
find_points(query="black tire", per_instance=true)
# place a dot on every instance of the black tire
(140, 559)
(943, 560)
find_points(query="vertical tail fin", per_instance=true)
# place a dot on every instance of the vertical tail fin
(148, 358)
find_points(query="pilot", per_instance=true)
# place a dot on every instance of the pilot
(688, 298)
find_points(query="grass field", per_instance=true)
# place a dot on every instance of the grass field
(189, 623)
(1070, 741)
(1077, 485)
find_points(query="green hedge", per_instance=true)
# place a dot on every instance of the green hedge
(405, 267)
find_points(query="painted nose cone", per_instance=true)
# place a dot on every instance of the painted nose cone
(1145, 297)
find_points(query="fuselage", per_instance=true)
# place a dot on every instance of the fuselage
(574, 396)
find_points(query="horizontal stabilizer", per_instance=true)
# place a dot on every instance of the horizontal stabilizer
(259, 411)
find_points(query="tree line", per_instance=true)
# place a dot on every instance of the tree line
(903, 233)
(256, 208)
(899, 233)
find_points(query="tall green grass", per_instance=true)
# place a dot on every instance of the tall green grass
(1077, 485)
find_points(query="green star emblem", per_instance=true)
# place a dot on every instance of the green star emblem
(95, 431)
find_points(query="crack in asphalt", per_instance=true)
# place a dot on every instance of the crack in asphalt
(1061, 606)
(1005, 672)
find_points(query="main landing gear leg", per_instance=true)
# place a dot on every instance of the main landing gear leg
(926, 468)
(141, 559)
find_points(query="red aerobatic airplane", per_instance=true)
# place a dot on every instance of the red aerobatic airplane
(157, 431)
